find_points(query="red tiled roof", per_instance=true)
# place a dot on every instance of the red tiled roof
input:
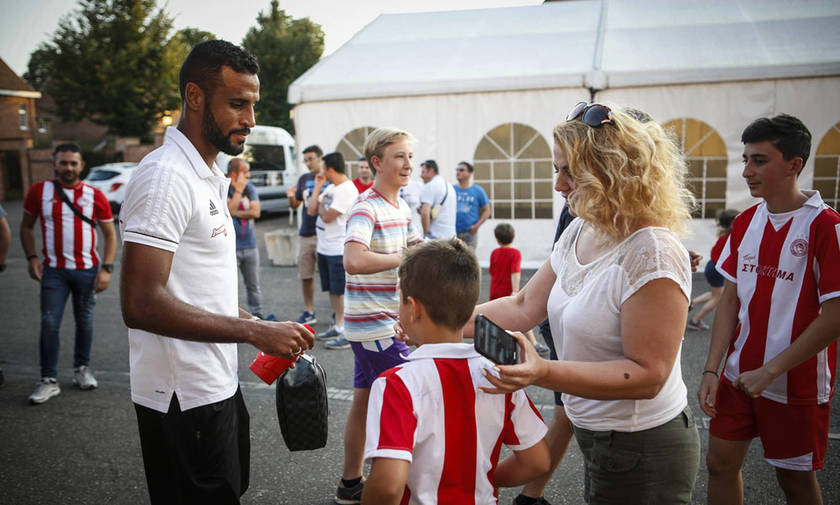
(10, 81)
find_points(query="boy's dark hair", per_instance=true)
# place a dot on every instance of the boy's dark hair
(787, 133)
(445, 277)
(726, 217)
(469, 167)
(504, 233)
(335, 161)
(431, 164)
(314, 149)
(204, 64)
(69, 146)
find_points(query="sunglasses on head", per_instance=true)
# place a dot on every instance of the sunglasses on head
(593, 115)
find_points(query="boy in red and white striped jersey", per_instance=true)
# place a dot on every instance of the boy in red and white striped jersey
(71, 263)
(433, 437)
(777, 322)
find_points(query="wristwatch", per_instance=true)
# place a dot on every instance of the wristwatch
(108, 267)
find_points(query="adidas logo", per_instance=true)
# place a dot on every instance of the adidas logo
(213, 209)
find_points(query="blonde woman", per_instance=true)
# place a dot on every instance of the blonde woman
(616, 290)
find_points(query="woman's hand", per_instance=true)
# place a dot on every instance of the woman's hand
(514, 377)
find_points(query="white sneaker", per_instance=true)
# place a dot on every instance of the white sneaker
(83, 377)
(46, 389)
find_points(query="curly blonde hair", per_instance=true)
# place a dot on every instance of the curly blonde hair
(627, 174)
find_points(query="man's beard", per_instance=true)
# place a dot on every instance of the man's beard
(211, 131)
(68, 177)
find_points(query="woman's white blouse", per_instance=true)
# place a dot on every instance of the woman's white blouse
(584, 310)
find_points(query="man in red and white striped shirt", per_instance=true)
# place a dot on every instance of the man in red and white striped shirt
(777, 323)
(71, 262)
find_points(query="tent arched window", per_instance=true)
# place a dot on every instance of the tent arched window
(827, 167)
(513, 165)
(352, 147)
(705, 154)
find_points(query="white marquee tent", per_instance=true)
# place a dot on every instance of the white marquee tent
(487, 86)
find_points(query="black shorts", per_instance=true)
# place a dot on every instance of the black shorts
(198, 456)
(713, 276)
(331, 269)
(545, 331)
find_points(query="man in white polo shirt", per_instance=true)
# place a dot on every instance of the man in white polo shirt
(179, 290)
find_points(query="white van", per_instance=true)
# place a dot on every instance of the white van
(271, 152)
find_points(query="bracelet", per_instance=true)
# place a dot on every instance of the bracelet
(710, 371)
(29, 258)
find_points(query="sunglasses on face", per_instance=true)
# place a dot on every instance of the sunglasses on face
(593, 115)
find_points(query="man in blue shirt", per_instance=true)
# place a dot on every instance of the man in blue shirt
(473, 205)
(244, 205)
(307, 255)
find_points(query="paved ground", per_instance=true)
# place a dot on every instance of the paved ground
(82, 447)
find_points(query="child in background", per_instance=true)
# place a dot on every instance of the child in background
(506, 272)
(432, 436)
(715, 279)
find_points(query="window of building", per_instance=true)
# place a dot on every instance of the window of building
(23, 118)
(827, 167)
(705, 154)
(42, 125)
(352, 147)
(513, 165)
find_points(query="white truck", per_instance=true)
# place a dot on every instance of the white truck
(271, 152)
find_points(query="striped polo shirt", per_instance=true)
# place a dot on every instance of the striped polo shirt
(431, 413)
(785, 268)
(68, 241)
(371, 301)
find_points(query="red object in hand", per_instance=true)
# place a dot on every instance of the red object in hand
(268, 367)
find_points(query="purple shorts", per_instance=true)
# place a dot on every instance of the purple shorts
(374, 357)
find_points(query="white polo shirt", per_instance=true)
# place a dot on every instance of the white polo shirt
(177, 203)
(439, 191)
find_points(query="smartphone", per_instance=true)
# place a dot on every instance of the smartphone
(494, 342)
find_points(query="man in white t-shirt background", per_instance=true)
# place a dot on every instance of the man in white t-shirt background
(331, 204)
(438, 207)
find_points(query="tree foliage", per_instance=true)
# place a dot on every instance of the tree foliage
(112, 62)
(285, 48)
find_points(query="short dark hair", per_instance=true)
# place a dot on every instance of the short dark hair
(469, 167)
(234, 163)
(204, 64)
(726, 217)
(69, 146)
(335, 161)
(431, 164)
(504, 233)
(445, 277)
(314, 149)
(787, 133)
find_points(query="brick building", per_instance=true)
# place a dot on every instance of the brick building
(18, 126)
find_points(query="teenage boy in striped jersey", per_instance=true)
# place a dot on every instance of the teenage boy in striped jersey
(71, 263)
(432, 435)
(777, 323)
(379, 229)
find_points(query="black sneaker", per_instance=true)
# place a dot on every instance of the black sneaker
(349, 495)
